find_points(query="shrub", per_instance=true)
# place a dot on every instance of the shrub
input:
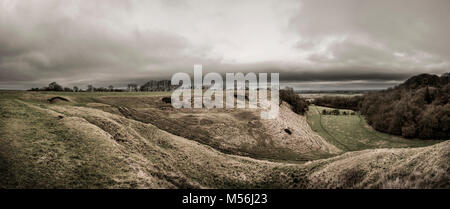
(335, 112)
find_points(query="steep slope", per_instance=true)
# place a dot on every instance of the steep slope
(234, 131)
(292, 130)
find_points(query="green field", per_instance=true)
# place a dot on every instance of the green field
(351, 132)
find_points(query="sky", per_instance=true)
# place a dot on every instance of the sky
(312, 44)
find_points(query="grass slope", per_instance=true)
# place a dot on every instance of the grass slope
(232, 131)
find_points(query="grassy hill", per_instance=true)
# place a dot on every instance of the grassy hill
(87, 143)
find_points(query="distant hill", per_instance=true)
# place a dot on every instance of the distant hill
(424, 80)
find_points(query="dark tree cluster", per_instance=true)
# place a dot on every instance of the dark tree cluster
(418, 108)
(336, 112)
(350, 103)
(299, 105)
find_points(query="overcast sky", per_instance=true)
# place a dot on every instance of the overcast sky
(358, 43)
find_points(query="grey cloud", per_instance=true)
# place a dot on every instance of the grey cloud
(45, 45)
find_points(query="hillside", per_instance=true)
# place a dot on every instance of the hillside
(86, 142)
(424, 80)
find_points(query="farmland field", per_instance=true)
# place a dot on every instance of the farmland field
(351, 132)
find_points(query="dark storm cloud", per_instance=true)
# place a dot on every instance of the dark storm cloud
(344, 75)
(411, 36)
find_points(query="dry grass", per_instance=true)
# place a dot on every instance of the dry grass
(425, 167)
(92, 146)
(234, 131)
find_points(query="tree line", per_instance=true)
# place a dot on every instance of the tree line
(350, 102)
(160, 85)
(53, 86)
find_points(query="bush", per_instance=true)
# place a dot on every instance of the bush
(335, 112)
